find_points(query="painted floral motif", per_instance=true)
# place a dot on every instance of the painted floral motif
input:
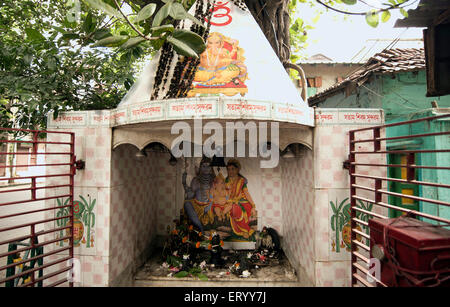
(341, 223)
(83, 221)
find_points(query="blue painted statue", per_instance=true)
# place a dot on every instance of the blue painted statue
(197, 204)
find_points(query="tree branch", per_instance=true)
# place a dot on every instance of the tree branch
(133, 26)
(302, 77)
(398, 5)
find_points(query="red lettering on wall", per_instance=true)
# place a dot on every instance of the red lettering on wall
(223, 12)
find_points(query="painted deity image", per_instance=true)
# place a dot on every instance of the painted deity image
(215, 203)
(219, 198)
(221, 69)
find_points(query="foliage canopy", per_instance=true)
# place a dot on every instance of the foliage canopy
(58, 55)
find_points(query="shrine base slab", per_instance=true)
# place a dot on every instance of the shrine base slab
(277, 273)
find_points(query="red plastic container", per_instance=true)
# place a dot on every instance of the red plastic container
(419, 252)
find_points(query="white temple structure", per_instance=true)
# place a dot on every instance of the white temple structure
(137, 183)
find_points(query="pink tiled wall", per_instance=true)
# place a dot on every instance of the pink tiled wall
(133, 214)
(167, 191)
(92, 145)
(298, 211)
(264, 186)
(332, 183)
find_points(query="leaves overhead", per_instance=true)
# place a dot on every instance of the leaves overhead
(47, 63)
(80, 54)
(372, 18)
(187, 43)
(143, 25)
(146, 12)
(300, 27)
(58, 55)
(104, 7)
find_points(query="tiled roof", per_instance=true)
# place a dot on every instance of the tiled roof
(386, 62)
(377, 45)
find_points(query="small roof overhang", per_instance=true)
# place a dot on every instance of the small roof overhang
(427, 14)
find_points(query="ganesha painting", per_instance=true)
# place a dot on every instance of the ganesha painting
(221, 69)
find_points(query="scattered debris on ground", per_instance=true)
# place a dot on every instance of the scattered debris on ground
(187, 253)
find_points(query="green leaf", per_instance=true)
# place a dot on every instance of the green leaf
(181, 274)
(341, 204)
(85, 203)
(34, 34)
(385, 16)
(102, 33)
(404, 12)
(187, 43)
(157, 31)
(132, 42)
(349, 2)
(195, 270)
(111, 41)
(372, 18)
(69, 36)
(88, 23)
(162, 14)
(316, 18)
(177, 11)
(195, 20)
(92, 205)
(28, 58)
(346, 211)
(59, 29)
(106, 8)
(202, 276)
(157, 43)
(332, 206)
(146, 12)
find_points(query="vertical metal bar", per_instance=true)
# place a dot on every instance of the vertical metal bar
(72, 174)
(352, 205)
(33, 188)
(410, 171)
(33, 157)
(33, 246)
(378, 187)
(377, 143)
(35, 142)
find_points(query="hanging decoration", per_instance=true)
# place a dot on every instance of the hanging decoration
(184, 69)
(240, 4)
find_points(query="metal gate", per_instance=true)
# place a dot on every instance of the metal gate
(371, 151)
(32, 252)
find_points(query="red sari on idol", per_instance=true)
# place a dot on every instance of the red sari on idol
(241, 207)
